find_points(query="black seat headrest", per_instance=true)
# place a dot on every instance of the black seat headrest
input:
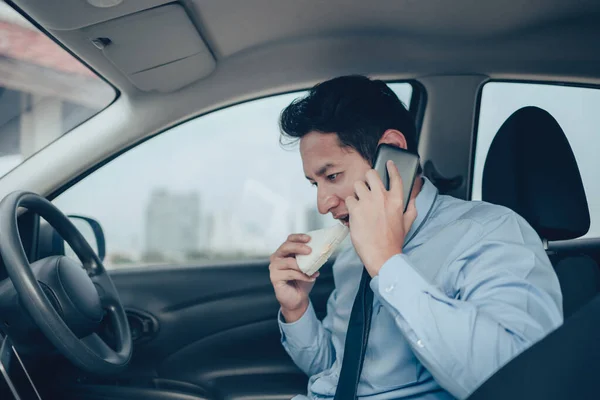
(531, 169)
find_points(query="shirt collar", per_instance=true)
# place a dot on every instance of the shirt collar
(424, 202)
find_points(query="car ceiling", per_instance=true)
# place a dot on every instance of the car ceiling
(545, 38)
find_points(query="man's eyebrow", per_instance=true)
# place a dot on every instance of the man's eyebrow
(321, 171)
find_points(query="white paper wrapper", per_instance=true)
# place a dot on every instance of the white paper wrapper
(323, 243)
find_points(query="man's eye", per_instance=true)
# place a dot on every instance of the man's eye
(314, 184)
(332, 177)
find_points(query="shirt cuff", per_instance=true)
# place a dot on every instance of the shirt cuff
(399, 285)
(302, 333)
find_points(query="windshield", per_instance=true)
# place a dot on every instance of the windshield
(44, 91)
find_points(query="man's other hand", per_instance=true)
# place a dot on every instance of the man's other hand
(291, 285)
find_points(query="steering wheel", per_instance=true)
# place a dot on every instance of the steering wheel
(67, 300)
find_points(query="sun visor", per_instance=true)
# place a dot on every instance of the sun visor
(158, 49)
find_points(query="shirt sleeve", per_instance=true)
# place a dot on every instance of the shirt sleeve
(507, 297)
(308, 340)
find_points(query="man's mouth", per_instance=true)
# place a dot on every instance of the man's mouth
(344, 219)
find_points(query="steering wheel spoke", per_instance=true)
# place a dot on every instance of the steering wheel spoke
(109, 296)
(98, 346)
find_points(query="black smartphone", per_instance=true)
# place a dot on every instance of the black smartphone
(407, 163)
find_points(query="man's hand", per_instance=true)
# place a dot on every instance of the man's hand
(378, 225)
(291, 285)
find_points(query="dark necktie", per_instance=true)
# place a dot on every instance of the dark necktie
(357, 336)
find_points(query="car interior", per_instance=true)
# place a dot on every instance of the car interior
(531, 169)
(144, 186)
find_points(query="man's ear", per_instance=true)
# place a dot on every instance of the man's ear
(393, 137)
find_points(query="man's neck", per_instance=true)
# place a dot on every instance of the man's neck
(417, 186)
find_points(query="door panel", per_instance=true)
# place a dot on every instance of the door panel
(216, 328)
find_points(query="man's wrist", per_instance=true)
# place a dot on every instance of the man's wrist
(374, 266)
(293, 315)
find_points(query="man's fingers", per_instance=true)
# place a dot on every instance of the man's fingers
(287, 275)
(286, 263)
(351, 203)
(396, 184)
(361, 190)
(291, 275)
(292, 248)
(298, 237)
(374, 181)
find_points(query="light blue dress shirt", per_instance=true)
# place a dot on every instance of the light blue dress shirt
(472, 289)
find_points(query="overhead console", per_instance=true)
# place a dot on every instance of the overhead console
(158, 49)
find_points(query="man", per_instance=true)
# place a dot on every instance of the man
(459, 287)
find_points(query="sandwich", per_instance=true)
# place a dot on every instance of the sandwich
(323, 242)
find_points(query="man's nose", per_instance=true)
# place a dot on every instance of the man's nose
(326, 201)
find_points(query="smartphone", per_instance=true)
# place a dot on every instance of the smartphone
(406, 162)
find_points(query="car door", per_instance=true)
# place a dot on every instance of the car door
(190, 218)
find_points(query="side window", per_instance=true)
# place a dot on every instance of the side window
(575, 109)
(219, 187)
(45, 92)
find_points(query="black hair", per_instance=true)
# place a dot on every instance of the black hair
(359, 110)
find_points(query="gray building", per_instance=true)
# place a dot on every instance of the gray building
(172, 224)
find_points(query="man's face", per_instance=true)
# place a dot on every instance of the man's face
(333, 170)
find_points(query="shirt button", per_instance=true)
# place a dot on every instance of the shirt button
(390, 288)
(420, 343)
